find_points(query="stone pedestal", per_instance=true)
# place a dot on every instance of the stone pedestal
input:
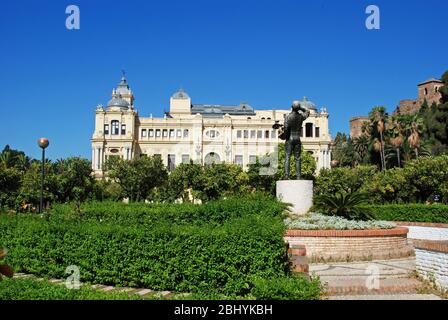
(299, 193)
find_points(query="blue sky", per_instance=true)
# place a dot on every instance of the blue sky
(266, 53)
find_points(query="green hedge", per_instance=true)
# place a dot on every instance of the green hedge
(214, 212)
(152, 249)
(411, 213)
(33, 289)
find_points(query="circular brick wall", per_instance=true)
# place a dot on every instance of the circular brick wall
(348, 245)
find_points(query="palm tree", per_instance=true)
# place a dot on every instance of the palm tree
(5, 158)
(342, 204)
(361, 146)
(416, 129)
(378, 118)
(22, 162)
(397, 139)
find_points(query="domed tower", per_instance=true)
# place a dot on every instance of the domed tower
(115, 128)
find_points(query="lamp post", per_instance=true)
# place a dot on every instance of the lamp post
(43, 143)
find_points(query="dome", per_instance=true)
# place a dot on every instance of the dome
(308, 104)
(180, 94)
(118, 102)
(123, 87)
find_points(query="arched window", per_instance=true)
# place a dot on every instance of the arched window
(115, 126)
(426, 91)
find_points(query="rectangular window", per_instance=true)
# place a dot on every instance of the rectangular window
(157, 133)
(239, 160)
(172, 133)
(266, 134)
(246, 134)
(309, 130)
(150, 133)
(252, 134)
(179, 133)
(143, 133)
(165, 133)
(259, 134)
(185, 133)
(123, 129)
(106, 129)
(273, 134)
(171, 162)
(186, 158)
(115, 127)
(238, 134)
(252, 159)
(317, 132)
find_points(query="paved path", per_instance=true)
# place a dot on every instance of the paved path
(352, 280)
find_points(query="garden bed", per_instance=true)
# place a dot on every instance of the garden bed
(337, 239)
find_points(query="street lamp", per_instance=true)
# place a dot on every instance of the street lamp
(43, 143)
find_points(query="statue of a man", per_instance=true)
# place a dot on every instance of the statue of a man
(292, 129)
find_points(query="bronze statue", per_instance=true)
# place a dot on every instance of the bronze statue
(290, 132)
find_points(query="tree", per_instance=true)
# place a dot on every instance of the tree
(137, 177)
(361, 147)
(343, 151)
(308, 164)
(74, 179)
(184, 182)
(218, 180)
(378, 118)
(395, 131)
(415, 130)
(29, 192)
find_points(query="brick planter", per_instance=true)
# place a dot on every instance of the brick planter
(352, 245)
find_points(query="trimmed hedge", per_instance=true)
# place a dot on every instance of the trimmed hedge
(33, 289)
(214, 212)
(411, 213)
(153, 248)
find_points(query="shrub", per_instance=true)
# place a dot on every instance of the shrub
(33, 289)
(217, 247)
(421, 180)
(321, 222)
(295, 287)
(331, 181)
(341, 204)
(411, 213)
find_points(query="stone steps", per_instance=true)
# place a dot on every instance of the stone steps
(349, 280)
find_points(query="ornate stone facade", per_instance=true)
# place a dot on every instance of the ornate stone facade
(202, 133)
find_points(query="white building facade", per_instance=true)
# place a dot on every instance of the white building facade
(201, 133)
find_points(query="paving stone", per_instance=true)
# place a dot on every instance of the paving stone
(144, 292)
(108, 288)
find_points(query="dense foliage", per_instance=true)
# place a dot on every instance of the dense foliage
(419, 181)
(142, 178)
(33, 289)
(389, 141)
(218, 247)
(286, 288)
(410, 212)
